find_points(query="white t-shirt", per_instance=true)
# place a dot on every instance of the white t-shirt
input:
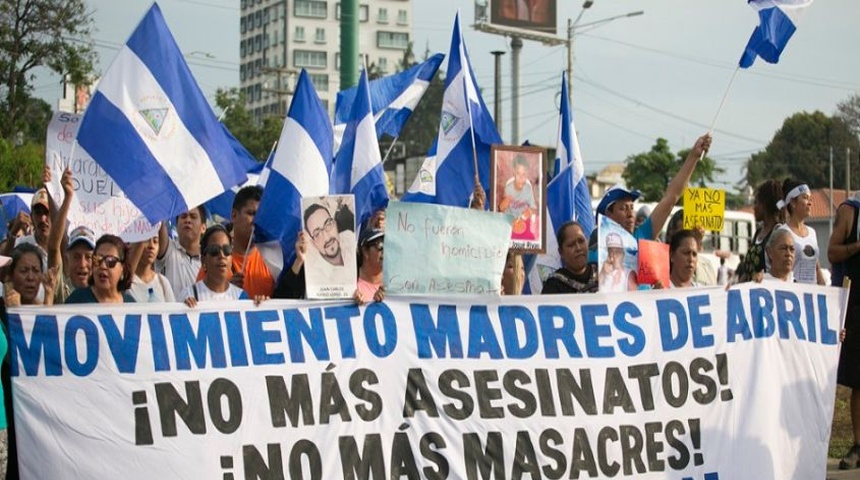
(157, 290)
(178, 266)
(205, 295)
(805, 256)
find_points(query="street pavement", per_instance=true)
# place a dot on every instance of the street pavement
(833, 472)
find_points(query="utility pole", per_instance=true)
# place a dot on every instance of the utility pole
(497, 90)
(348, 43)
(516, 48)
(831, 191)
(282, 88)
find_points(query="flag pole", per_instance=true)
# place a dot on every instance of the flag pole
(722, 104)
(390, 148)
(471, 125)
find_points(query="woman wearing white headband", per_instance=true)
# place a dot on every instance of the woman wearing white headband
(798, 204)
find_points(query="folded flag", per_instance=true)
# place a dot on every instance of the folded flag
(151, 129)
(777, 23)
(358, 165)
(393, 97)
(300, 167)
(447, 176)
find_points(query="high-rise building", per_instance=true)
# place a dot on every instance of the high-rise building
(280, 37)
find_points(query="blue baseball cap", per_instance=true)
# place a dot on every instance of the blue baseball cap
(614, 194)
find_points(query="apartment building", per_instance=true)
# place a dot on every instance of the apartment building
(278, 38)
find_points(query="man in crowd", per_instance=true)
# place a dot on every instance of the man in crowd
(250, 273)
(40, 215)
(844, 253)
(179, 261)
(617, 203)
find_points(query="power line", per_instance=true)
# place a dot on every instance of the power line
(665, 112)
(211, 5)
(795, 78)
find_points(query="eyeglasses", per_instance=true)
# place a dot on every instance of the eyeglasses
(318, 232)
(215, 250)
(110, 261)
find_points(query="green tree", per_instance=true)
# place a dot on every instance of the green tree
(848, 111)
(54, 34)
(800, 149)
(258, 139)
(652, 171)
(21, 165)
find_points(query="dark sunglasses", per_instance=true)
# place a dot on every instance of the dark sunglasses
(215, 250)
(110, 261)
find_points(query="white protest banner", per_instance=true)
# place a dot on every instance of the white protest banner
(98, 203)
(688, 383)
(444, 250)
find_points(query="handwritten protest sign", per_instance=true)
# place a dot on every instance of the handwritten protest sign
(704, 207)
(444, 250)
(653, 263)
(646, 385)
(98, 202)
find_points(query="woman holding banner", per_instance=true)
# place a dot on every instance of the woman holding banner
(370, 253)
(215, 253)
(683, 258)
(27, 277)
(514, 275)
(780, 252)
(575, 275)
(147, 285)
(110, 278)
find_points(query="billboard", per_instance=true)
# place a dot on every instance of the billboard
(536, 15)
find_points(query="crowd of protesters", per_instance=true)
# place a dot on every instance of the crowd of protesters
(45, 265)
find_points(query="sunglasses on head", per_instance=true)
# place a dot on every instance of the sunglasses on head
(215, 250)
(110, 261)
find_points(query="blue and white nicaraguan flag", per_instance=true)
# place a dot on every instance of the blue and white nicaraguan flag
(151, 129)
(567, 196)
(393, 97)
(300, 167)
(358, 165)
(447, 176)
(778, 21)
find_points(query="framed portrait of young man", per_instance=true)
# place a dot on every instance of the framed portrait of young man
(331, 271)
(518, 187)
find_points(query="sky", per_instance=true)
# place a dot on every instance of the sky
(661, 74)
